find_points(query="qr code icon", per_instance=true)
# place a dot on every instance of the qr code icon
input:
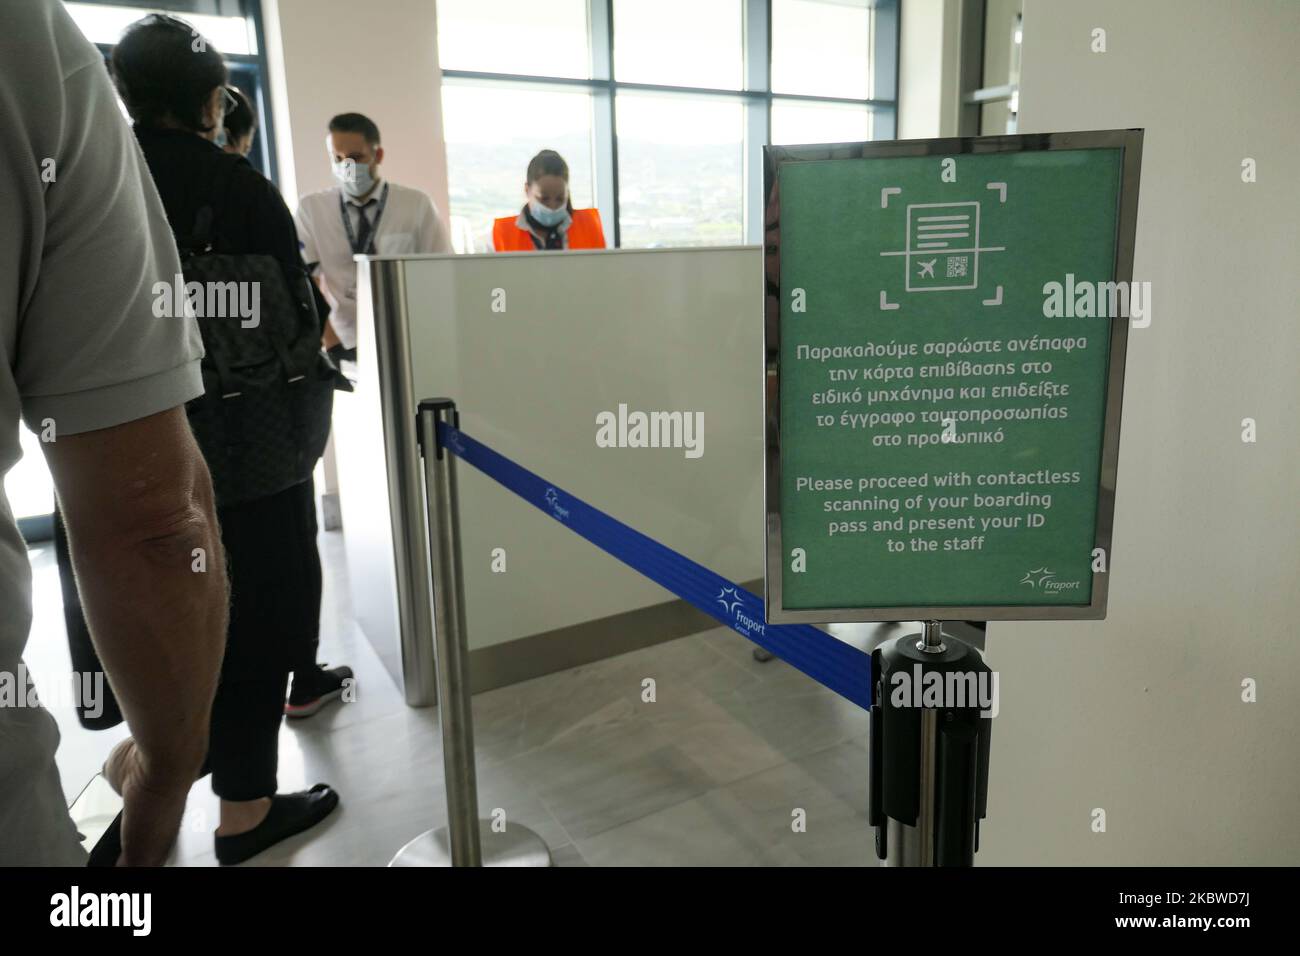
(956, 267)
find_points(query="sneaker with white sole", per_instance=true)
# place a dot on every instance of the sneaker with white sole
(311, 690)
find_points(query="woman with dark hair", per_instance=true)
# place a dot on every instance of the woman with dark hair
(548, 219)
(239, 126)
(174, 86)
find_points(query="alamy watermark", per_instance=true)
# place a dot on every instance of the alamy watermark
(1082, 299)
(633, 429)
(77, 908)
(209, 300)
(82, 690)
(945, 689)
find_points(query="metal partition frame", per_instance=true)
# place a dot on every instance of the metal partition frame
(405, 480)
(382, 285)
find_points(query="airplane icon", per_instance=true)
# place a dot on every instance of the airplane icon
(927, 269)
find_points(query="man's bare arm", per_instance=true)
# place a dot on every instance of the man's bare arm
(138, 505)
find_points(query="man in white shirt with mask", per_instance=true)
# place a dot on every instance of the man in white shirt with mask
(363, 213)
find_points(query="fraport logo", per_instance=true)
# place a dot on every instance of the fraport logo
(734, 602)
(454, 442)
(553, 502)
(1042, 579)
(1037, 577)
(730, 599)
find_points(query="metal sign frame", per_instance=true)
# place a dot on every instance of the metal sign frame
(1129, 142)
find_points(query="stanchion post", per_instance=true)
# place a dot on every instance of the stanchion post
(931, 642)
(460, 843)
(451, 653)
(929, 764)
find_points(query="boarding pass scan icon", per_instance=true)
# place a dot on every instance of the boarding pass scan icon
(941, 247)
(942, 250)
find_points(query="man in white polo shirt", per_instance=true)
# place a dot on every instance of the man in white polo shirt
(88, 364)
(363, 214)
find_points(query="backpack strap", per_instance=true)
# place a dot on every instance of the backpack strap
(203, 237)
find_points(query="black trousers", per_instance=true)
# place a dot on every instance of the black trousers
(275, 595)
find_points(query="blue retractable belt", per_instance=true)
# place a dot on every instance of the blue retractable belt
(832, 663)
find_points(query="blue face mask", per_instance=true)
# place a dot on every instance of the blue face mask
(221, 139)
(550, 218)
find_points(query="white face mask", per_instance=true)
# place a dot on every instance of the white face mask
(550, 218)
(355, 178)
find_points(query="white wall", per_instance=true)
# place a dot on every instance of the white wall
(1142, 714)
(929, 80)
(337, 56)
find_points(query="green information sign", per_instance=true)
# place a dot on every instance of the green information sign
(945, 333)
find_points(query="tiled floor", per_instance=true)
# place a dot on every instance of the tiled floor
(712, 772)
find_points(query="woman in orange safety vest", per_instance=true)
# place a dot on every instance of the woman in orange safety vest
(548, 219)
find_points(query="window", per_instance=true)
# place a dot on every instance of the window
(651, 46)
(492, 132)
(681, 170)
(103, 24)
(803, 121)
(232, 26)
(514, 36)
(660, 108)
(28, 483)
(822, 47)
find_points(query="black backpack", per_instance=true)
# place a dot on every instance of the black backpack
(264, 418)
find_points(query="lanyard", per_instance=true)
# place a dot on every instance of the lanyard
(374, 229)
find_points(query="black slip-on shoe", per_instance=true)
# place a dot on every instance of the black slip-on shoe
(290, 814)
